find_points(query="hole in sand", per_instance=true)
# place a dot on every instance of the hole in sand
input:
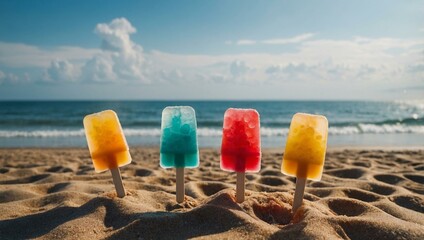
(84, 169)
(59, 169)
(58, 187)
(362, 164)
(361, 195)
(272, 181)
(402, 161)
(143, 172)
(321, 192)
(414, 203)
(209, 189)
(4, 170)
(321, 184)
(347, 173)
(346, 207)
(310, 197)
(388, 178)
(272, 213)
(250, 177)
(380, 189)
(420, 168)
(415, 178)
(270, 173)
(291, 179)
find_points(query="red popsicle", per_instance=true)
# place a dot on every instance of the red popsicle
(241, 144)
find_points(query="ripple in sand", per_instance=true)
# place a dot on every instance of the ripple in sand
(31, 179)
(15, 195)
(84, 169)
(58, 187)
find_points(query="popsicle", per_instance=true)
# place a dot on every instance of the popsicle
(178, 144)
(107, 144)
(241, 145)
(305, 151)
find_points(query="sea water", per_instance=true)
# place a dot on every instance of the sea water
(351, 123)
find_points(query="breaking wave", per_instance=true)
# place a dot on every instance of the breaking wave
(216, 132)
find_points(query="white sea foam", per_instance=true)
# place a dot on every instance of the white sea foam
(216, 132)
(152, 132)
(41, 133)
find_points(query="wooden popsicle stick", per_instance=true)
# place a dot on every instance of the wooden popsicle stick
(240, 187)
(180, 185)
(298, 194)
(117, 181)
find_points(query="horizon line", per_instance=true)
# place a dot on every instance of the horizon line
(205, 100)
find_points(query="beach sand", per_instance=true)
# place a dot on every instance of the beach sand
(363, 194)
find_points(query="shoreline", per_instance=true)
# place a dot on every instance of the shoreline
(335, 148)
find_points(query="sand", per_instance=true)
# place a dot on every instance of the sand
(364, 194)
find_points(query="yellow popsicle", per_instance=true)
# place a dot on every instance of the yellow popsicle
(306, 146)
(106, 141)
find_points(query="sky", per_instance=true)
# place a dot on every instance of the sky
(211, 50)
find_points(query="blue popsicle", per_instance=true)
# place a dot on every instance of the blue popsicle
(178, 145)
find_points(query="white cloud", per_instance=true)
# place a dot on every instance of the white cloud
(118, 59)
(61, 71)
(19, 55)
(121, 58)
(239, 68)
(416, 68)
(275, 41)
(173, 75)
(358, 59)
(8, 78)
(99, 69)
(335, 73)
(116, 35)
(245, 42)
(295, 39)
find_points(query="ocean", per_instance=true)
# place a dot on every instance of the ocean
(352, 123)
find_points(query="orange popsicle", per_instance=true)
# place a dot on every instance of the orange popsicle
(107, 144)
(106, 141)
(306, 145)
(305, 151)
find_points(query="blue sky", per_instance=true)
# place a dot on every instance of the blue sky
(211, 49)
